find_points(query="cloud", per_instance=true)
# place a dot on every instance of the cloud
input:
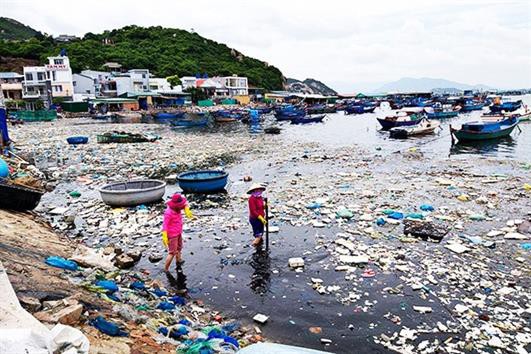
(472, 41)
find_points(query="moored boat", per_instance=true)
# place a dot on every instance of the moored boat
(128, 117)
(168, 116)
(485, 129)
(506, 106)
(133, 193)
(470, 106)
(210, 181)
(399, 121)
(308, 119)
(424, 127)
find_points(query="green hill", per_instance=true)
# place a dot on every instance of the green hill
(14, 30)
(164, 51)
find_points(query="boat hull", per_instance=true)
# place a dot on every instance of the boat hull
(133, 193)
(203, 182)
(441, 115)
(388, 124)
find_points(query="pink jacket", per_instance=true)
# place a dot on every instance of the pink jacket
(173, 223)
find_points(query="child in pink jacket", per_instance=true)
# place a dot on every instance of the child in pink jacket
(172, 229)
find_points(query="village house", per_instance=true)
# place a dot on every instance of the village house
(11, 85)
(49, 81)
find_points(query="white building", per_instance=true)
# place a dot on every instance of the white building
(90, 83)
(51, 80)
(236, 85)
(135, 81)
(188, 82)
(159, 85)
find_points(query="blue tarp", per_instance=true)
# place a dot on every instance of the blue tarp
(3, 125)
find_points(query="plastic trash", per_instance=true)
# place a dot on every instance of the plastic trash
(314, 205)
(380, 222)
(344, 213)
(426, 207)
(60, 262)
(415, 216)
(526, 246)
(166, 306)
(74, 194)
(107, 327)
(222, 335)
(138, 285)
(177, 300)
(4, 169)
(108, 285)
(396, 215)
(160, 292)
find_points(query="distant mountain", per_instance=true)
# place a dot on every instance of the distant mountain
(408, 84)
(13, 30)
(310, 86)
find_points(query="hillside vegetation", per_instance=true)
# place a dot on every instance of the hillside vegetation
(164, 51)
(13, 30)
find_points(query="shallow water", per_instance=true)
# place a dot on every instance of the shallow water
(364, 130)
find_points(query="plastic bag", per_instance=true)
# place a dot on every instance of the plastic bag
(108, 285)
(60, 262)
(109, 328)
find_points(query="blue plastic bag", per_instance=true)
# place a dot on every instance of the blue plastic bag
(109, 328)
(526, 246)
(137, 285)
(219, 334)
(160, 292)
(166, 306)
(60, 262)
(108, 285)
(380, 222)
(426, 207)
(177, 300)
(415, 216)
(396, 215)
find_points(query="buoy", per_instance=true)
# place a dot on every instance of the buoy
(4, 169)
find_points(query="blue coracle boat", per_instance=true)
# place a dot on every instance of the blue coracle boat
(481, 130)
(199, 119)
(209, 181)
(77, 140)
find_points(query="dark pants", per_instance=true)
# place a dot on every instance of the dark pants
(258, 227)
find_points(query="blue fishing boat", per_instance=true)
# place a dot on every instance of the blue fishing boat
(168, 116)
(399, 121)
(470, 106)
(209, 181)
(506, 106)
(308, 119)
(485, 130)
(197, 119)
(359, 109)
(442, 114)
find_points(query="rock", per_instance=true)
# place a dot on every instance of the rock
(30, 303)
(296, 262)
(123, 261)
(135, 254)
(424, 229)
(68, 315)
(155, 257)
(524, 227)
(260, 318)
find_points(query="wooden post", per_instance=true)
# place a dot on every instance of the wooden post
(267, 223)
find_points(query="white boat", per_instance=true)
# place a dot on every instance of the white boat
(424, 127)
(133, 193)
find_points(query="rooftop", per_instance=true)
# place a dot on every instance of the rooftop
(10, 75)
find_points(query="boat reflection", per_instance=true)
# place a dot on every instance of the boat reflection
(493, 147)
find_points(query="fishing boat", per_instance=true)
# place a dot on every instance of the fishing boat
(133, 193)
(189, 120)
(424, 127)
(470, 106)
(359, 109)
(289, 115)
(525, 116)
(308, 119)
(18, 197)
(125, 138)
(210, 181)
(399, 121)
(485, 129)
(168, 116)
(320, 109)
(442, 112)
(506, 106)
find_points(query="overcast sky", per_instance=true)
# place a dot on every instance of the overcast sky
(346, 44)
